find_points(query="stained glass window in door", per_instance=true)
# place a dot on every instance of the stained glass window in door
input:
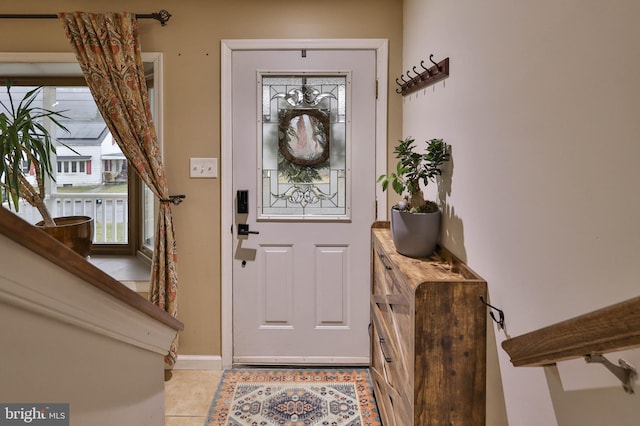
(304, 147)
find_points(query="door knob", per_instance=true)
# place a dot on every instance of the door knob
(243, 229)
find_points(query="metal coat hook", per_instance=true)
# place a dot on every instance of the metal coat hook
(500, 320)
(418, 73)
(425, 68)
(412, 79)
(399, 90)
(435, 63)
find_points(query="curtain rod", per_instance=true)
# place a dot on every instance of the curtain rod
(162, 16)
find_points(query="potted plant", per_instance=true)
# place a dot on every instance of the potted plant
(26, 144)
(415, 221)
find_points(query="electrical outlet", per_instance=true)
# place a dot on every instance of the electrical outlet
(203, 167)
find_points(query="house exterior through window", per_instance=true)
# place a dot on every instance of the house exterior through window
(91, 173)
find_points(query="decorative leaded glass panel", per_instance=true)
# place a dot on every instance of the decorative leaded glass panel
(304, 147)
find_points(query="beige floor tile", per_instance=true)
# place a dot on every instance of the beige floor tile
(188, 393)
(184, 421)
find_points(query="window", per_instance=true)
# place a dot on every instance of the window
(79, 166)
(91, 173)
(304, 147)
(25, 168)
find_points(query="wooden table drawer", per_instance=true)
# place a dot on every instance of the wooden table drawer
(395, 409)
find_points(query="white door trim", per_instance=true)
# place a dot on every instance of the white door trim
(226, 153)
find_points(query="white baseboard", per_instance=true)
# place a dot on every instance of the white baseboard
(198, 362)
(214, 362)
(298, 360)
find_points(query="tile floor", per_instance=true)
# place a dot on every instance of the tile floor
(187, 396)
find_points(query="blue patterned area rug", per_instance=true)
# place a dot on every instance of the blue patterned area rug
(294, 397)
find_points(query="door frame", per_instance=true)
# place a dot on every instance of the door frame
(380, 46)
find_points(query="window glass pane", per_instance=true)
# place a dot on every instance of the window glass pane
(149, 201)
(304, 146)
(89, 140)
(25, 167)
(148, 223)
(87, 146)
(89, 188)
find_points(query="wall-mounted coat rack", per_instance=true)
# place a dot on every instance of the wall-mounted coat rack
(422, 78)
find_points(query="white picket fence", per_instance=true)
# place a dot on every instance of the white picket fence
(110, 213)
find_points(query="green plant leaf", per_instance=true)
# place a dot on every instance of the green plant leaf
(414, 167)
(25, 142)
(398, 187)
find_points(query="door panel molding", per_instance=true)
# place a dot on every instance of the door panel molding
(380, 46)
(276, 285)
(332, 268)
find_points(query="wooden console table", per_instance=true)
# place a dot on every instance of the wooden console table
(428, 337)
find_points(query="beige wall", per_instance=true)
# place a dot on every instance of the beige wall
(191, 46)
(541, 198)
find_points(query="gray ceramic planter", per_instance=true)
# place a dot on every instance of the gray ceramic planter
(415, 234)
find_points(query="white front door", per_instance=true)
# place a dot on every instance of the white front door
(304, 142)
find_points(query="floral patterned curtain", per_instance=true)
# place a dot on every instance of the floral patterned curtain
(108, 50)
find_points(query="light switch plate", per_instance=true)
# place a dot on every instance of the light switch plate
(203, 167)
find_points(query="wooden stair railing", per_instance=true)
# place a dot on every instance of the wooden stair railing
(27, 235)
(74, 334)
(610, 329)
